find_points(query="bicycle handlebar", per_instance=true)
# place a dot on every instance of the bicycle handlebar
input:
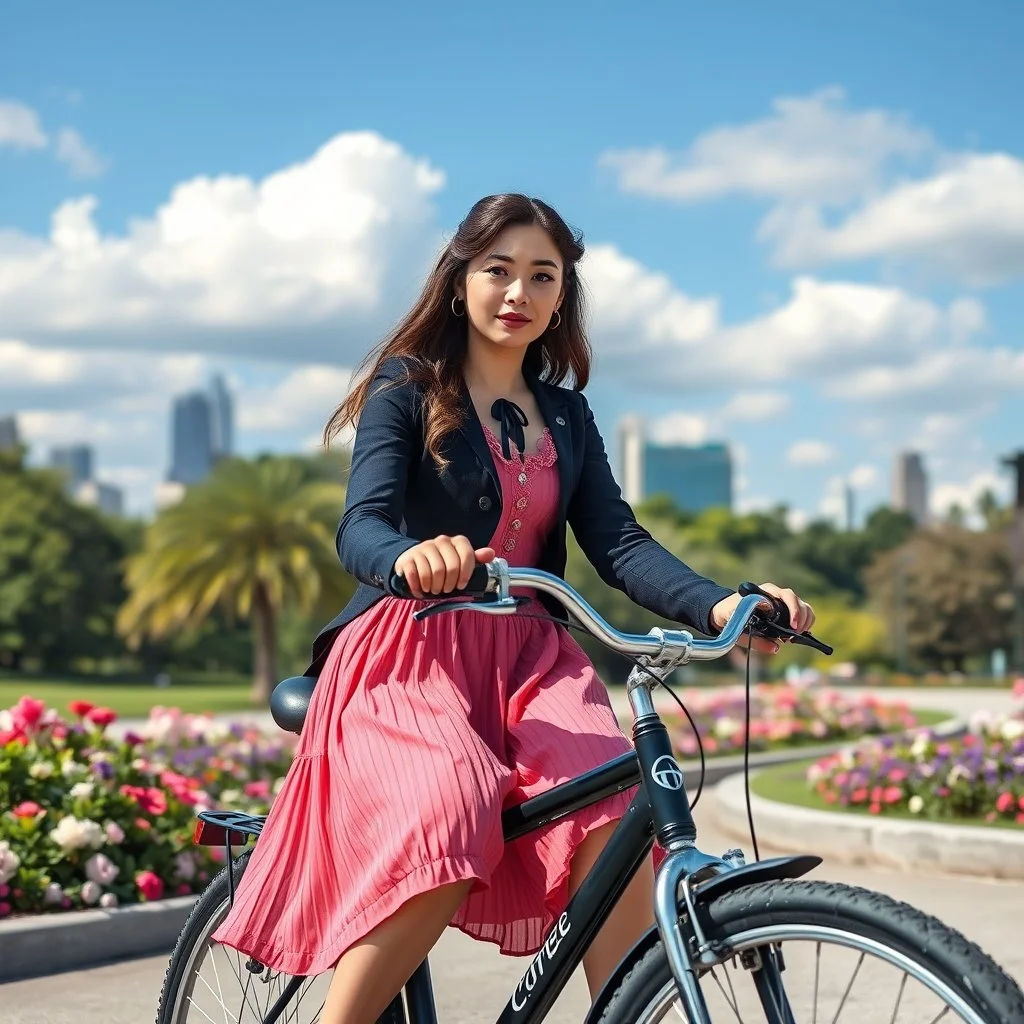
(497, 578)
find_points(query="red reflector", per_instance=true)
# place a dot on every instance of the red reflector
(208, 834)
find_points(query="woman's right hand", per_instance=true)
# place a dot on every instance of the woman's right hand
(441, 565)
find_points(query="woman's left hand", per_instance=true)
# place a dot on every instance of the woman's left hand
(801, 616)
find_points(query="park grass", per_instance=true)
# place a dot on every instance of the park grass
(787, 784)
(191, 692)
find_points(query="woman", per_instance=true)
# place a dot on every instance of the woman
(388, 827)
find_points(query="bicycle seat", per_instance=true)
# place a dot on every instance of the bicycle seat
(290, 701)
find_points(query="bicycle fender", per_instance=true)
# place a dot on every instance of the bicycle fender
(773, 870)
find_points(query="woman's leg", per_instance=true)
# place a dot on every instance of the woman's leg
(370, 973)
(629, 919)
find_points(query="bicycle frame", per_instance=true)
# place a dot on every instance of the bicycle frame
(659, 810)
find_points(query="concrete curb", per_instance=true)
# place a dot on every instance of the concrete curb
(864, 839)
(50, 943)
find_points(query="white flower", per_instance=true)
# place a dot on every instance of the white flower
(920, 746)
(108, 899)
(54, 894)
(185, 865)
(231, 796)
(91, 893)
(725, 727)
(77, 833)
(1012, 729)
(81, 791)
(6, 720)
(99, 868)
(9, 862)
(915, 804)
(957, 772)
(41, 770)
(71, 767)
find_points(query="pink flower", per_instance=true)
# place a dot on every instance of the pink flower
(150, 885)
(91, 893)
(101, 717)
(27, 712)
(5, 909)
(99, 868)
(115, 834)
(27, 809)
(892, 794)
(260, 789)
(1004, 802)
(184, 889)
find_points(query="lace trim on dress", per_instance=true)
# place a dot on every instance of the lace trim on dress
(518, 479)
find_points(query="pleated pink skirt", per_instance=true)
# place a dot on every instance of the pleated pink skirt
(418, 735)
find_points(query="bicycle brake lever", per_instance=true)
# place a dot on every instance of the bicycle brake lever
(771, 628)
(489, 605)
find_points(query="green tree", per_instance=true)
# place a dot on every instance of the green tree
(60, 572)
(946, 594)
(255, 539)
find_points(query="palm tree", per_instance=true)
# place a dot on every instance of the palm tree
(255, 537)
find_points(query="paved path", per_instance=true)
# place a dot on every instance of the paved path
(472, 982)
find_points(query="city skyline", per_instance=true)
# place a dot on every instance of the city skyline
(803, 238)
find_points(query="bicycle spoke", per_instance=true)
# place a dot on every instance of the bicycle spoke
(846, 994)
(220, 1000)
(731, 1002)
(220, 990)
(940, 1016)
(899, 998)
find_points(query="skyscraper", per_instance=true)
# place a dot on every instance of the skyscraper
(76, 460)
(222, 417)
(910, 486)
(202, 431)
(8, 432)
(191, 438)
(694, 477)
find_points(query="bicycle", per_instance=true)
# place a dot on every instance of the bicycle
(721, 923)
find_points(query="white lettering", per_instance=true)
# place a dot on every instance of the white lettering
(559, 930)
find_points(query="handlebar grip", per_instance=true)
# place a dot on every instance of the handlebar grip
(478, 582)
(776, 625)
(779, 614)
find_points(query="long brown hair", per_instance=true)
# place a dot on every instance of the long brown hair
(436, 338)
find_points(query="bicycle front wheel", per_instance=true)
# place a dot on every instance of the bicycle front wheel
(847, 955)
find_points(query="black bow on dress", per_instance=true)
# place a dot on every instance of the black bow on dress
(512, 420)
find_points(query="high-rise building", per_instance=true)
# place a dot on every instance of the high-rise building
(202, 431)
(910, 486)
(222, 417)
(695, 478)
(76, 460)
(105, 497)
(191, 438)
(631, 458)
(9, 432)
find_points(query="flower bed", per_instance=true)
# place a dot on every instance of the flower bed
(979, 776)
(89, 820)
(781, 716)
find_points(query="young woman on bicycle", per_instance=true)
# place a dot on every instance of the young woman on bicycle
(388, 826)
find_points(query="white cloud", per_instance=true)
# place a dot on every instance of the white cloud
(809, 148)
(309, 263)
(966, 492)
(301, 401)
(863, 477)
(81, 159)
(967, 221)
(20, 127)
(680, 428)
(755, 405)
(810, 453)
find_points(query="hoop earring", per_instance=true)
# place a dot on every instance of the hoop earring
(554, 327)
(455, 312)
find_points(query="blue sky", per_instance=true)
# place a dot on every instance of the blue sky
(806, 225)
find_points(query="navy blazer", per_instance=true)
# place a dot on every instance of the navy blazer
(397, 497)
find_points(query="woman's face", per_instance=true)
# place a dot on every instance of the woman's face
(513, 288)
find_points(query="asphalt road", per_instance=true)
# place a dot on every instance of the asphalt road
(472, 982)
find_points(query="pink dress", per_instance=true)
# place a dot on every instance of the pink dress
(418, 735)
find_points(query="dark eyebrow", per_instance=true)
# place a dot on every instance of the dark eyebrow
(508, 259)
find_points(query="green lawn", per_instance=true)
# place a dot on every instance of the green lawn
(194, 692)
(786, 783)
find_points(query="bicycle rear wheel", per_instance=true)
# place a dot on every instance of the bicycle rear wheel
(849, 956)
(209, 982)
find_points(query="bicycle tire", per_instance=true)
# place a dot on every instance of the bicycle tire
(644, 976)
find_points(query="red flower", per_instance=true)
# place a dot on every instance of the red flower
(26, 809)
(150, 885)
(80, 708)
(892, 794)
(101, 717)
(1004, 802)
(141, 823)
(27, 713)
